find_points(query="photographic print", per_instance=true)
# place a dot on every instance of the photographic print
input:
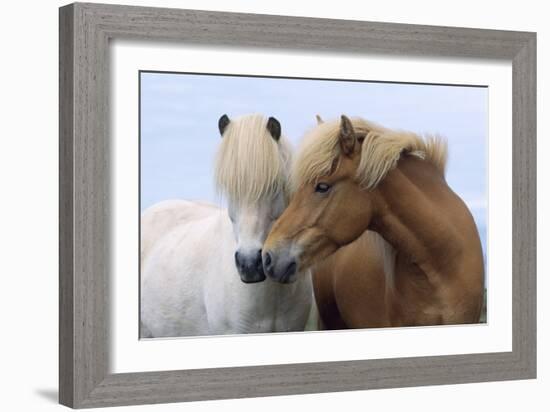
(335, 184)
(274, 204)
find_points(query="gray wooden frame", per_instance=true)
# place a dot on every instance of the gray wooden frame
(85, 31)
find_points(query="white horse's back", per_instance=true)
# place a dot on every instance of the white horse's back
(174, 267)
(164, 216)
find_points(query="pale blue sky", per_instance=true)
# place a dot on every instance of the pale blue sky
(180, 112)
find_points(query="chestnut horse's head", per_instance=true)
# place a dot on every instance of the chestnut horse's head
(335, 179)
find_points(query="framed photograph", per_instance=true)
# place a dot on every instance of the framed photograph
(257, 205)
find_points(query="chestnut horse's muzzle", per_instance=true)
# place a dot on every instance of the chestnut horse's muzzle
(280, 266)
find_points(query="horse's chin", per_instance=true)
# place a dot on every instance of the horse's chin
(288, 280)
(284, 280)
(257, 278)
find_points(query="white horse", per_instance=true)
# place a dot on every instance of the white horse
(201, 267)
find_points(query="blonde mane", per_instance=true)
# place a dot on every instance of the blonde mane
(380, 152)
(250, 164)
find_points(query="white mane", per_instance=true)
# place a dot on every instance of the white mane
(250, 164)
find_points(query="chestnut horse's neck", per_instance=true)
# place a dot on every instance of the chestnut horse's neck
(411, 212)
(439, 264)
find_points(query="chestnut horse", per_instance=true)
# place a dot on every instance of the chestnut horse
(392, 244)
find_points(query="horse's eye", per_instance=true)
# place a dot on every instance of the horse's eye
(322, 187)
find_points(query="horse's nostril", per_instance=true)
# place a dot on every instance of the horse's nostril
(238, 260)
(267, 259)
(291, 269)
(259, 261)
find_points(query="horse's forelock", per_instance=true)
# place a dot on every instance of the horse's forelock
(250, 163)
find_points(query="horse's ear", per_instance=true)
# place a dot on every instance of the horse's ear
(319, 119)
(274, 128)
(222, 123)
(347, 136)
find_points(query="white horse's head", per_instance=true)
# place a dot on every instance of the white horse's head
(252, 169)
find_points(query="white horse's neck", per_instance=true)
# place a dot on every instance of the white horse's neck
(267, 305)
